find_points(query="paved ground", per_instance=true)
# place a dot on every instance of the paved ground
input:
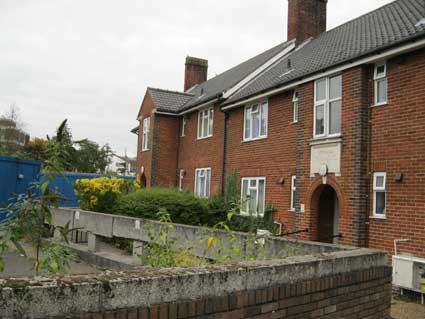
(19, 266)
(402, 309)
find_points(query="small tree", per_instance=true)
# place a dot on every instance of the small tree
(26, 218)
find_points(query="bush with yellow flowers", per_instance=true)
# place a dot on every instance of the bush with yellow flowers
(101, 194)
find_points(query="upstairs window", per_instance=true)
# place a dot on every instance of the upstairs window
(293, 191)
(183, 126)
(145, 135)
(253, 196)
(205, 123)
(295, 106)
(381, 84)
(379, 194)
(327, 107)
(203, 182)
(256, 118)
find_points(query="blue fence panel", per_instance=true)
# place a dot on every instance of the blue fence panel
(16, 176)
(64, 184)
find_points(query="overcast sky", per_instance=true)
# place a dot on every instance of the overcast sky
(90, 61)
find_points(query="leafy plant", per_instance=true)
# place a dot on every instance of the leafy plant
(25, 220)
(183, 207)
(163, 250)
(56, 259)
(101, 194)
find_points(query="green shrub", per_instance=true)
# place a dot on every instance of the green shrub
(183, 207)
(101, 194)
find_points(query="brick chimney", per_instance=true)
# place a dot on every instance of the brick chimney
(306, 19)
(196, 72)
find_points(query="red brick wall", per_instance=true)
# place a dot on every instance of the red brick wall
(203, 153)
(273, 157)
(286, 151)
(365, 294)
(166, 147)
(145, 158)
(398, 146)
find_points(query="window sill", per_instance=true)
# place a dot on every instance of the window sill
(379, 104)
(146, 150)
(376, 217)
(254, 139)
(292, 210)
(204, 138)
(294, 122)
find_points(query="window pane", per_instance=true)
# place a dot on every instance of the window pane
(335, 87)
(205, 126)
(321, 90)
(247, 122)
(335, 117)
(380, 203)
(379, 181)
(208, 182)
(264, 109)
(244, 195)
(211, 120)
(253, 202)
(255, 124)
(320, 116)
(202, 185)
(261, 197)
(200, 124)
(380, 70)
(382, 91)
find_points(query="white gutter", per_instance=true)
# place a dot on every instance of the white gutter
(375, 58)
(258, 71)
(165, 113)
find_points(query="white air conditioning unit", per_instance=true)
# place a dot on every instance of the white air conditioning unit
(409, 273)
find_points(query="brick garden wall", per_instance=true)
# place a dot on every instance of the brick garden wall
(364, 294)
(340, 284)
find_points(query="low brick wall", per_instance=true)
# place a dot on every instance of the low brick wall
(344, 284)
(365, 294)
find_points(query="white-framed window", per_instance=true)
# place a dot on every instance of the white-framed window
(184, 123)
(181, 176)
(253, 196)
(381, 84)
(293, 191)
(145, 134)
(295, 107)
(255, 121)
(379, 194)
(328, 106)
(203, 182)
(205, 123)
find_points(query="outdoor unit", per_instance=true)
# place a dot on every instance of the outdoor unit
(409, 273)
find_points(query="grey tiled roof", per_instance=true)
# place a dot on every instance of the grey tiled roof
(168, 101)
(387, 26)
(226, 80)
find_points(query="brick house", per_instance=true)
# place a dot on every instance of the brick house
(327, 126)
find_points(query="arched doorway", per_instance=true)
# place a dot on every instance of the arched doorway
(325, 214)
(328, 216)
